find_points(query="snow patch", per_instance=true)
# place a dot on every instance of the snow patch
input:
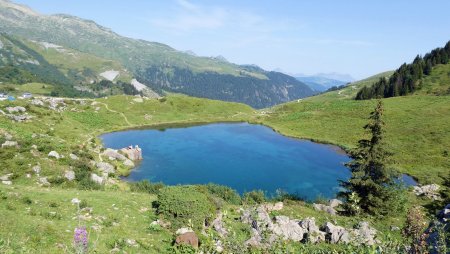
(110, 75)
(138, 85)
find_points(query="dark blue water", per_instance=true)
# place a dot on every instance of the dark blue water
(240, 155)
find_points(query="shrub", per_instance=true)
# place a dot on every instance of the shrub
(254, 197)
(226, 193)
(185, 206)
(414, 228)
(146, 186)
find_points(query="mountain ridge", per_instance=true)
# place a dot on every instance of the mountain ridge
(142, 57)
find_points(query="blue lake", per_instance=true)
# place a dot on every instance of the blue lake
(242, 156)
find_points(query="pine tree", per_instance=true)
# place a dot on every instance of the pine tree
(371, 180)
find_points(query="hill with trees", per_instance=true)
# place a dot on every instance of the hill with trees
(406, 79)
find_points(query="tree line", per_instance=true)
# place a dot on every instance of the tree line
(405, 79)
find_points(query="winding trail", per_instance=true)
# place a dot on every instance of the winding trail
(117, 112)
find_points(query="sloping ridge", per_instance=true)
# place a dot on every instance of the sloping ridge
(157, 65)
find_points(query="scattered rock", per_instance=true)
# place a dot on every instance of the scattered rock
(188, 238)
(10, 144)
(54, 154)
(132, 243)
(335, 203)
(97, 179)
(364, 234)
(111, 153)
(17, 109)
(219, 247)
(44, 181)
(8, 136)
(336, 234)
(20, 118)
(324, 208)
(73, 157)
(255, 239)
(75, 201)
(217, 224)
(273, 207)
(288, 229)
(69, 175)
(182, 231)
(37, 102)
(36, 169)
(7, 182)
(395, 228)
(314, 234)
(105, 167)
(430, 191)
(5, 177)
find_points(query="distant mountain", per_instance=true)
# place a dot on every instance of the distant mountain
(320, 83)
(336, 76)
(156, 65)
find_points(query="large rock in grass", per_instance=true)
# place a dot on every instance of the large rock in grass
(430, 191)
(336, 234)
(69, 175)
(189, 238)
(97, 179)
(218, 225)
(314, 234)
(54, 154)
(287, 229)
(105, 167)
(111, 153)
(17, 109)
(10, 144)
(364, 234)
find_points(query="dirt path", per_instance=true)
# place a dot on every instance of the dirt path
(117, 112)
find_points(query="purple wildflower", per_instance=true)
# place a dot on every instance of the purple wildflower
(80, 240)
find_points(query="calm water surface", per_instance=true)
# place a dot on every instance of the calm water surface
(240, 155)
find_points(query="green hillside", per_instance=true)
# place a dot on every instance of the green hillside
(66, 71)
(417, 126)
(159, 66)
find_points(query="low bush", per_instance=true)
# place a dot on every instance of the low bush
(185, 206)
(254, 197)
(146, 186)
(228, 194)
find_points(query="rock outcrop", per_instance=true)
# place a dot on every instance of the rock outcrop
(133, 153)
(330, 208)
(189, 238)
(114, 155)
(97, 179)
(288, 229)
(265, 230)
(430, 191)
(218, 225)
(105, 167)
(17, 109)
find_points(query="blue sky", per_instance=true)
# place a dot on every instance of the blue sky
(360, 38)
